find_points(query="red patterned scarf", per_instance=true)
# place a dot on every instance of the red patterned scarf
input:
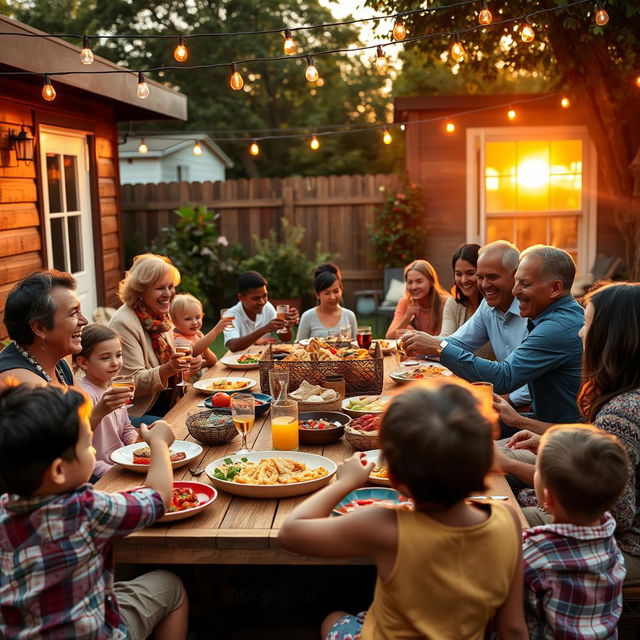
(155, 327)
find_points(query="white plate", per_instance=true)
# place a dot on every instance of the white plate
(204, 385)
(356, 412)
(206, 495)
(274, 490)
(387, 346)
(374, 456)
(231, 361)
(124, 455)
(438, 370)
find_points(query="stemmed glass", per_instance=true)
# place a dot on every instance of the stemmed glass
(185, 348)
(243, 413)
(345, 333)
(363, 336)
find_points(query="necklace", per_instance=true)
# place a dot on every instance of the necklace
(45, 375)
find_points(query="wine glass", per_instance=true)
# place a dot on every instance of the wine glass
(185, 348)
(363, 336)
(243, 413)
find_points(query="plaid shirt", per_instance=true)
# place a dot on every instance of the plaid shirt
(56, 564)
(573, 581)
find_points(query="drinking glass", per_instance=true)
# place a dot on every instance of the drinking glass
(278, 385)
(363, 336)
(345, 333)
(125, 381)
(283, 313)
(486, 389)
(331, 335)
(185, 348)
(284, 425)
(243, 413)
(225, 315)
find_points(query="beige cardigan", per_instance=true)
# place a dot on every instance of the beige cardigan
(140, 360)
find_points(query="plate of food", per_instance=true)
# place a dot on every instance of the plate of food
(137, 456)
(229, 384)
(242, 360)
(360, 405)
(379, 474)
(386, 346)
(187, 499)
(372, 496)
(426, 370)
(271, 474)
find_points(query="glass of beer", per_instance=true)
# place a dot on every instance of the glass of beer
(125, 381)
(185, 349)
(363, 336)
(225, 315)
(282, 310)
(486, 389)
(243, 413)
(284, 425)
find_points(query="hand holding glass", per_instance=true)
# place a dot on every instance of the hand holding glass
(283, 314)
(125, 381)
(185, 349)
(225, 315)
(284, 425)
(243, 413)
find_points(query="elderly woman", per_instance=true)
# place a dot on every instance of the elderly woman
(146, 332)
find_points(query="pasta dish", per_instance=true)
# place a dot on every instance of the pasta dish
(269, 471)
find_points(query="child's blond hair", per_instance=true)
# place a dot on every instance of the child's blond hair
(180, 303)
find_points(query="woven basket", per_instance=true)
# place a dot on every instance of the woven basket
(362, 440)
(361, 377)
(332, 405)
(196, 424)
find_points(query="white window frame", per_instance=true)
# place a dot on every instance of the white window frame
(476, 214)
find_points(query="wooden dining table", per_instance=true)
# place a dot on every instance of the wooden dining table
(233, 529)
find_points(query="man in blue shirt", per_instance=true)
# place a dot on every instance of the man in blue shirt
(549, 359)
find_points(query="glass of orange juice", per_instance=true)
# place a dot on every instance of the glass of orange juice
(284, 425)
(243, 413)
(125, 381)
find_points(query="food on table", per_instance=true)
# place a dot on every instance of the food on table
(422, 372)
(224, 384)
(249, 358)
(367, 403)
(354, 505)
(183, 498)
(318, 424)
(220, 399)
(385, 345)
(269, 471)
(218, 421)
(368, 423)
(380, 471)
(308, 392)
(319, 350)
(143, 455)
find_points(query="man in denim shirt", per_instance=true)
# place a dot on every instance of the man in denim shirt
(549, 359)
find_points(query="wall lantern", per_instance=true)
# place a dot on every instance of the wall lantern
(22, 144)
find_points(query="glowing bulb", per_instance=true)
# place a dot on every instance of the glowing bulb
(142, 147)
(86, 55)
(254, 149)
(450, 127)
(311, 74)
(386, 138)
(143, 88)
(48, 92)
(457, 50)
(399, 30)
(180, 53)
(402, 127)
(485, 16)
(314, 144)
(637, 81)
(290, 47)
(602, 17)
(235, 81)
(197, 149)
(526, 32)
(381, 61)
(565, 103)
(512, 114)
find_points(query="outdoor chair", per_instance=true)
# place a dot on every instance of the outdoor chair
(382, 303)
(604, 268)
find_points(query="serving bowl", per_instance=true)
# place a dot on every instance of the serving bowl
(322, 436)
(261, 409)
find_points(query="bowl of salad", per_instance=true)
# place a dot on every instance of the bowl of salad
(321, 427)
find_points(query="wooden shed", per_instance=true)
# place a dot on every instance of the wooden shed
(62, 208)
(532, 178)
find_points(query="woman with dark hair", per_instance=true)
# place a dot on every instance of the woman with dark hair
(423, 304)
(328, 315)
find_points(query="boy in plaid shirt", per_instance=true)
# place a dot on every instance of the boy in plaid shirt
(56, 566)
(573, 569)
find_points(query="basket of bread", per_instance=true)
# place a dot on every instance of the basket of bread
(312, 397)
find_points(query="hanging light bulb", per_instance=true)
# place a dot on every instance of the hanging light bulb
(290, 46)
(512, 114)
(311, 74)
(637, 81)
(142, 147)
(457, 50)
(526, 31)
(485, 16)
(143, 88)
(381, 61)
(386, 137)
(254, 149)
(399, 30)
(314, 144)
(180, 53)
(235, 81)
(86, 55)
(48, 92)
(197, 149)
(450, 127)
(602, 17)
(565, 103)
(403, 127)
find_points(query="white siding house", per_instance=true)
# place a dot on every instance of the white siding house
(171, 158)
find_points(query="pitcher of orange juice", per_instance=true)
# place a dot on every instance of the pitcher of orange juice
(284, 425)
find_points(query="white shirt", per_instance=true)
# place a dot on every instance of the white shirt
(243, 325)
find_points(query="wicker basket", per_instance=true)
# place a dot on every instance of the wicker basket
(196, 424)
(362, 440)
(360, 376)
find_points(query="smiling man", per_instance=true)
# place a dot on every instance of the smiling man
(549, 358)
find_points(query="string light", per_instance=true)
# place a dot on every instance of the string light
(48, 92)
(565, 103)
(457, 50)
(637, 81)
(254, 149)
(485, 16)
(450, 127)
(403, 127)
(143, 88)
(86, 55)
(311, 73)
(602, 17)
(180, 53)
(399, 30)
(381, 61)
(526, 31)
(197, 149)
(386, 137)
(235, 81)
(512, 114)
(290, 47)
(142, 147)
(314, 144)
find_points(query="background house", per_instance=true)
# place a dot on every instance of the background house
(171, 158)
(527, 180)
(62, 208)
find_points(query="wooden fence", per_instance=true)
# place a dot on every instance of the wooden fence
(334, 210)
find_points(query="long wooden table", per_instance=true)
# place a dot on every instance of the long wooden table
(234, 530)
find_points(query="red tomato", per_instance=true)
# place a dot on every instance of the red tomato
(220, 400)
